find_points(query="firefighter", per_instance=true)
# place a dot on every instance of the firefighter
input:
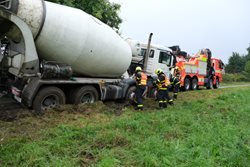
(141, 83)
(212, 71)
(162, 83)
(175, 81)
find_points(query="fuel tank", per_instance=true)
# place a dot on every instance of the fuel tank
(69, 35)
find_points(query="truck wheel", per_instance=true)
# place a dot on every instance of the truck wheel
(85, 94)
(217, 84)
(210, 84)
(194, 84)
(186, 84)
(48, 97)
(130, 93)
(130, 96)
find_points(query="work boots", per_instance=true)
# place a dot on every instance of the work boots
(165, 105)
(138, 108)
(162, 105)
(171, 102)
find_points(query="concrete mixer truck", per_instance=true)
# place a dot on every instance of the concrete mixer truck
(56, 54)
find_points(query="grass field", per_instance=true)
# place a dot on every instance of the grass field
(208, 128)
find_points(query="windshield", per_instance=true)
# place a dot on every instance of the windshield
(143, 52)
(165, 58)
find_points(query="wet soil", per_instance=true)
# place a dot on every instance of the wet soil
(10, 110)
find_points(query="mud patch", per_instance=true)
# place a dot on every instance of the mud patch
(97, 107)
(10, 110)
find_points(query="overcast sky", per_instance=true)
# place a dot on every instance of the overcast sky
(221, 25)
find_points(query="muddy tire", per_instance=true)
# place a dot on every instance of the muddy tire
(194, 85)
(48, 97)
(186, 84)
(130, 93)
(84, 94)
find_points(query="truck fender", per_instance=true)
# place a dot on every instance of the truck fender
(30, 90)
(126, 84)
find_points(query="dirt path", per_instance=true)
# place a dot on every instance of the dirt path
(234, 86)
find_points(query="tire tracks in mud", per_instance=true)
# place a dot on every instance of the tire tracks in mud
(10, 109)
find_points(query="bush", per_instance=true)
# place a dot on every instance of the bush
(236, 77)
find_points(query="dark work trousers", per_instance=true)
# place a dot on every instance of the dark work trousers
(162, 98)
(176, 88)
(138, 96)
(169, 99)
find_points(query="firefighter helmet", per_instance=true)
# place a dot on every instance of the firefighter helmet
(177, 68)
(158, 71)
(138, 69)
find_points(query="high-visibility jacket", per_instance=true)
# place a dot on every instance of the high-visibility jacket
(162, 82)
(175, 80)
(141, 79)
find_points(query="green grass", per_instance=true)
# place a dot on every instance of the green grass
(194, 132)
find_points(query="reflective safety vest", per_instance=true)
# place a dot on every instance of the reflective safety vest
(163, 84)
(175, 81)
(142, 80)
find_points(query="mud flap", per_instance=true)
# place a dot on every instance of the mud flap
(30, 91)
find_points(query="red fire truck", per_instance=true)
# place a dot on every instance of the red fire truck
(199, 70)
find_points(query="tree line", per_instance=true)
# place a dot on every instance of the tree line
(238, 67)
(104, 10)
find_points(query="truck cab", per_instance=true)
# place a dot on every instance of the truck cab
(159, 57)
